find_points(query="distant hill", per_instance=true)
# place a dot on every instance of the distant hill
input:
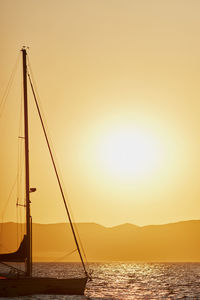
(175, 242)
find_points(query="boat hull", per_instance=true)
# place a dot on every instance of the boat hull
(12, 287)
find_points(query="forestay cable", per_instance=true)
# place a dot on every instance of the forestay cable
(58, 178)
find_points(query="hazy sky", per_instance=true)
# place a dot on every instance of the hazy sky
(119, 86)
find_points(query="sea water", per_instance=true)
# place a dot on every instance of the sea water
(127, 281)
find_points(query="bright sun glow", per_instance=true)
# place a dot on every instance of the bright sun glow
(130, 153)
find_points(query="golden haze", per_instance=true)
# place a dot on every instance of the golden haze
(119, 72)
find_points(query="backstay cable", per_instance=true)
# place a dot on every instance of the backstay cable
(58, 178)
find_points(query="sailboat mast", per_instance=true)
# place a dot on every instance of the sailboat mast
(28, 217)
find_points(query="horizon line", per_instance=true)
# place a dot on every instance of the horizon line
(112, 226)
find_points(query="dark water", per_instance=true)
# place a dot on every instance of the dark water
(127, 281)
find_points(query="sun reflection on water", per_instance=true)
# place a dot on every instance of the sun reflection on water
(127, 281)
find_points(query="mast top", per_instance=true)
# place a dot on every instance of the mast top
(24, 48)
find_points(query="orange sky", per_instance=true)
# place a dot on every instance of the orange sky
(119, 86)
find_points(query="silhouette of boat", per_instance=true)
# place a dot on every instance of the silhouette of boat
(20, 283)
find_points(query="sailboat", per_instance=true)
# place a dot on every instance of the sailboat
(21, 284)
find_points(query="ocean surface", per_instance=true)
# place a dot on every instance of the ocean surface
(125, 281)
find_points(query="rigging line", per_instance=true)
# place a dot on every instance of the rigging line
(19, 225)
(19, 175)
(5, 207)
(7, 90)
(43, 116)
(48, 133)
(52, 148)
(10, 266)
(19, 172)
(80, 242)
(62, 257)
(54, 155)
(21, 157)
(19, 147)
(20, 160)
(58, 179)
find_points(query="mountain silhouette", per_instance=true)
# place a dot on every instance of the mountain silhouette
(174, 242)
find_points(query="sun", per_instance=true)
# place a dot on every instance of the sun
(130, 152)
